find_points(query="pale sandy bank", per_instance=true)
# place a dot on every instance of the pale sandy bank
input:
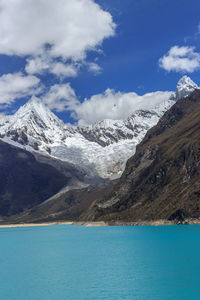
(34, 224)
(102, 223)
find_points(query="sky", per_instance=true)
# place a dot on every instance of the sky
(88, 60)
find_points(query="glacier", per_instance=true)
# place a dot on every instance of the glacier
(100, 149)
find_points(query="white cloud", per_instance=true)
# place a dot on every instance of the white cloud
(109, 105)
(42, 64)
(17, 85)
(115, 105)
(181, 59)
(61, 97)
(37, 65)
(94, 68)
(67, 70)
(47, 30)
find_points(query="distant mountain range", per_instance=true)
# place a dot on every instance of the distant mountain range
(62, 175)
(100, 150)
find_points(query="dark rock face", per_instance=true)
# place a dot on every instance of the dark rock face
(161, 181)
(25, 182)
(178, 215)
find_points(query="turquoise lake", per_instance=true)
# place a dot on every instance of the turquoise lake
(74, 262)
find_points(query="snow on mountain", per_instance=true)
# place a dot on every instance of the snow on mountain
(34, 125)
(184, 87)
(100, 149)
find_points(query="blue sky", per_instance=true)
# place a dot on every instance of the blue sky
(127, 51)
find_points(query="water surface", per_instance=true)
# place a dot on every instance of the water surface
(74, 262)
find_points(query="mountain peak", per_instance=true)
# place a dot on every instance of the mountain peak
(184, 87)
(37, 109)
(34, 104)
(34, 101)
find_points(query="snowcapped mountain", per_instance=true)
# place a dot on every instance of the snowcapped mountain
(100, 149)
(184, 87)
(33, 125)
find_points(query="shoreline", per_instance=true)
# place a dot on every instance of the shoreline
(104, 224)
(34, 224)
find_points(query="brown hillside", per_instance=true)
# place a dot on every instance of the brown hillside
(162, 180)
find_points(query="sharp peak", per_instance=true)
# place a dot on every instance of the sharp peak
(185, 87)
(36, 105)
(34, 101)
(184, 77)
(186, 80)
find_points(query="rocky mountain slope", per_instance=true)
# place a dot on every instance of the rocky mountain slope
(25, 182)
(66, 205)
(161, 181)
(99, 150)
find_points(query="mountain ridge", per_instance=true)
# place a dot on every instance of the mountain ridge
(101, 149)
(161, 181)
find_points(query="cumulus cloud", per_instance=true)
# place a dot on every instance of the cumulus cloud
(67, 28)
(64, 29)
(37, 65)
(61, 97)
(67, 70)
(42, 64)
(108, 105)
(17, 85)
(94, 68)
(181, 59)
(115, 105)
